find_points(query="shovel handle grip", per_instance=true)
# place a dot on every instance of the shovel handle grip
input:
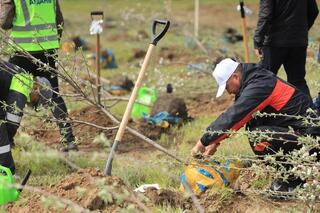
(243, 14)
(96, 13)
(157, 37)
(25, 180)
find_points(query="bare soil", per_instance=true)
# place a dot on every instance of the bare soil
(48, 134)
(90, 189)
(83, 188)
(173, 105)
(203, 104)
(86, 134)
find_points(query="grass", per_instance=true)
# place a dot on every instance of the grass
(46, 164)
(260, 183)
(235, 146)
(165, 209)
(136, 172)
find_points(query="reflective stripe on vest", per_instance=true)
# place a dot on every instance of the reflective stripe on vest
(34, 40)
(23, 84)
(34, 27)
(13, 118)
(4, 149)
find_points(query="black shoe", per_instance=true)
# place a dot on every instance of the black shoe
(279, 185)
(71, 146)
(281, 189)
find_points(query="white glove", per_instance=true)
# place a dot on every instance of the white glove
(96, 27)
(247, 11)
(143, 187)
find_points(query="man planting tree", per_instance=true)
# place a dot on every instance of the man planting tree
(259, 90)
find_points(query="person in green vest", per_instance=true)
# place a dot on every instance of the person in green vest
(17, 88)
(36, 28)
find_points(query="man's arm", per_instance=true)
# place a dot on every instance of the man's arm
(263, 25)
(14, 112)
(255, 97)
(59, 19)
(7, 12)
(313, 12)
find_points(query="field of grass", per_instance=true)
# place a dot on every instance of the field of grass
(124, 20)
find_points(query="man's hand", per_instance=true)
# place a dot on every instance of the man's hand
(199, 148)
(211, 149)
(258, 53)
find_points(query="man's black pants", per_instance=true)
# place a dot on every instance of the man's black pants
(293, 60)
(269, 140)
(59, 110)
(6, 159)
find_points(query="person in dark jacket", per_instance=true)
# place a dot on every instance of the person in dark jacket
(36, 28)
(281, 37)
(17, 89)
(258, 89)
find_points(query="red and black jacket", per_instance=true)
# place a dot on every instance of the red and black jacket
(261, 91)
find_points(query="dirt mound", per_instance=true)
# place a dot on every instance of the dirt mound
(86, 134)
(224, 201)
(165, 197)
(123, 36)
(138, 53)
(173, 105)
(88, 188)
(204, 104)
(122, 81)
(168, 53)
(210, 201)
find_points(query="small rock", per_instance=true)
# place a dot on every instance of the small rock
(68, 186)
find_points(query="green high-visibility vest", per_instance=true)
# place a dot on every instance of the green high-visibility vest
(34, 26)
(22, 83)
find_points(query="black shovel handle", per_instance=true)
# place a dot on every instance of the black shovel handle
(96, 13)
(243, 14)
(157, 37)
(25, 180)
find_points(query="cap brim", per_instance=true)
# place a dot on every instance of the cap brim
(221, 90)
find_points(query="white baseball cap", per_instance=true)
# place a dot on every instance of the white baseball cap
(222, 72)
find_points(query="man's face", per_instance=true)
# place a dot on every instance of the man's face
(34, 96)
(233, 84)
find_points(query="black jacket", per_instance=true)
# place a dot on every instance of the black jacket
(285, 23)
(262, 91)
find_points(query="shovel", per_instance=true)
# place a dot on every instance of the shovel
(244, 31)
(156, 38)
(98, 15)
